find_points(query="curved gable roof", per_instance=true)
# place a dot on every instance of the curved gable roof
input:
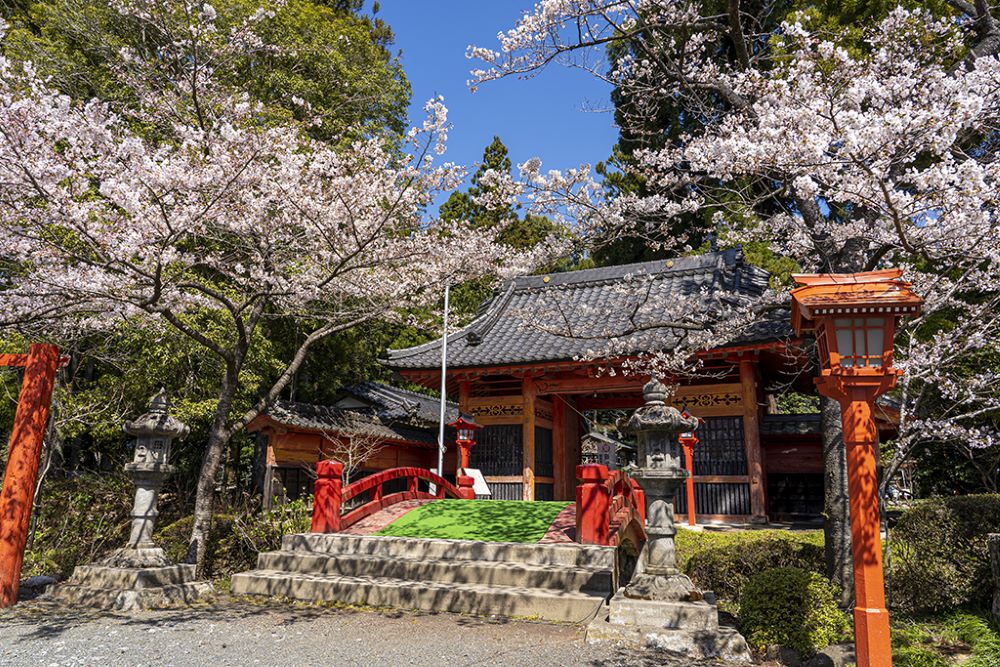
(587, 308)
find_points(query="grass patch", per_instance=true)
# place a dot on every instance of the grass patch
(484, 520)
(969, 638)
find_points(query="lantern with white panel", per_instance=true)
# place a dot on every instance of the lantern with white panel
(853, 317)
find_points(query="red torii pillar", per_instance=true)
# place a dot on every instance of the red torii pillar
(21, 476)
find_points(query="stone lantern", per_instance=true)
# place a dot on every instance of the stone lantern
(139, 576)
(661, 607)
(661, 472)
(154, 434)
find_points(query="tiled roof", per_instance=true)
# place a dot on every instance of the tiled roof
(394, 414)
(589, 303)
(395, 404)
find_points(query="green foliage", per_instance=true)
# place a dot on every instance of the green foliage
(725, 562)
(327, 54)
(791, 607)
(237, 537)
(79, 520)
(936, 641)
(939, 557)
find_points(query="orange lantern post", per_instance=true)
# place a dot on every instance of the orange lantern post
(854, 319)
(688, 440)
(465, 437)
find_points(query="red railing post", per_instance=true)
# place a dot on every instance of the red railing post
(327, 497)
(593, 504)
(465, 484)
(26, 439)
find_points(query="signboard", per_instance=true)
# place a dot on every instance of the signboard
(478, 482)
(607, 454)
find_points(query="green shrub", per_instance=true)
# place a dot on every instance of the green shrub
(725, 562)
(250, 533)
(237, 538)
(78, 521)
(791, 607)
(939, 557)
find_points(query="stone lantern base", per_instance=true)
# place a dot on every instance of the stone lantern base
(688, 628)
(133, 579)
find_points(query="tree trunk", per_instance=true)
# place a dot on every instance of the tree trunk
(233, 469)
(836, 507)
(204, 504)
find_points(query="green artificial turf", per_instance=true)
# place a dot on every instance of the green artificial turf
(485, 520)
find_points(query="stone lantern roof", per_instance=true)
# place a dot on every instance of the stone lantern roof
(157, 422)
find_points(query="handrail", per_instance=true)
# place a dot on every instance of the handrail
(610, 506)
(330, 494)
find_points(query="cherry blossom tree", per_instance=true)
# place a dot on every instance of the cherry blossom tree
(197, 212)
(845, 156)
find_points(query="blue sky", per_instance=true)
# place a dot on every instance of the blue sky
(545, 116)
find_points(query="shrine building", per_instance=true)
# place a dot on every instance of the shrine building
(521, 369)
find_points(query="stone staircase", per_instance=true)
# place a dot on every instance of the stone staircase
(557, 582)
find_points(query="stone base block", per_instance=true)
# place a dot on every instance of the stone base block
(691, 616)
(130, 589)
(722, 643)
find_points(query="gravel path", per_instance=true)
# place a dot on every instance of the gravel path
(38, 633)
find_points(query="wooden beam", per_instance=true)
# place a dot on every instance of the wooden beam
(529, 391)
(751, 437)
(560, 460)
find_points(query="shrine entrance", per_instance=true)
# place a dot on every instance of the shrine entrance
(524, 369)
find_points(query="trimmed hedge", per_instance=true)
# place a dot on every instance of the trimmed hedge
(939, 559)
(724, 562)
(791, 607)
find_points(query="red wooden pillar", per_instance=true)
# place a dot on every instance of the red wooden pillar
(21, 476)
(593, 504)
(688, 443)
(751, 436)
(327, 497)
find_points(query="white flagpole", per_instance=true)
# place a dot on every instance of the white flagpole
(444, 385)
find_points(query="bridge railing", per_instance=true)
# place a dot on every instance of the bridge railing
(331, 496)
(610, 507)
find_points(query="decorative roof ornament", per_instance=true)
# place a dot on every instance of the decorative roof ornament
(655, 392)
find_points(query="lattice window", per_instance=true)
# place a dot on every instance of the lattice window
(498, 450)
(297, 482)
(506, 490)
(714, 498)
(721, 449)
(543, 452)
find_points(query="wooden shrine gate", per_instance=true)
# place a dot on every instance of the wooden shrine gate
(23, 458)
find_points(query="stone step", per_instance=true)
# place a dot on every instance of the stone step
(490, 573)
(575, 607)
(571, 555)
(100, 576)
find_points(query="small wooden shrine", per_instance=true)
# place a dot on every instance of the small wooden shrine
(528, 384)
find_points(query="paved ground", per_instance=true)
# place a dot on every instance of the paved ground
(39, 634)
